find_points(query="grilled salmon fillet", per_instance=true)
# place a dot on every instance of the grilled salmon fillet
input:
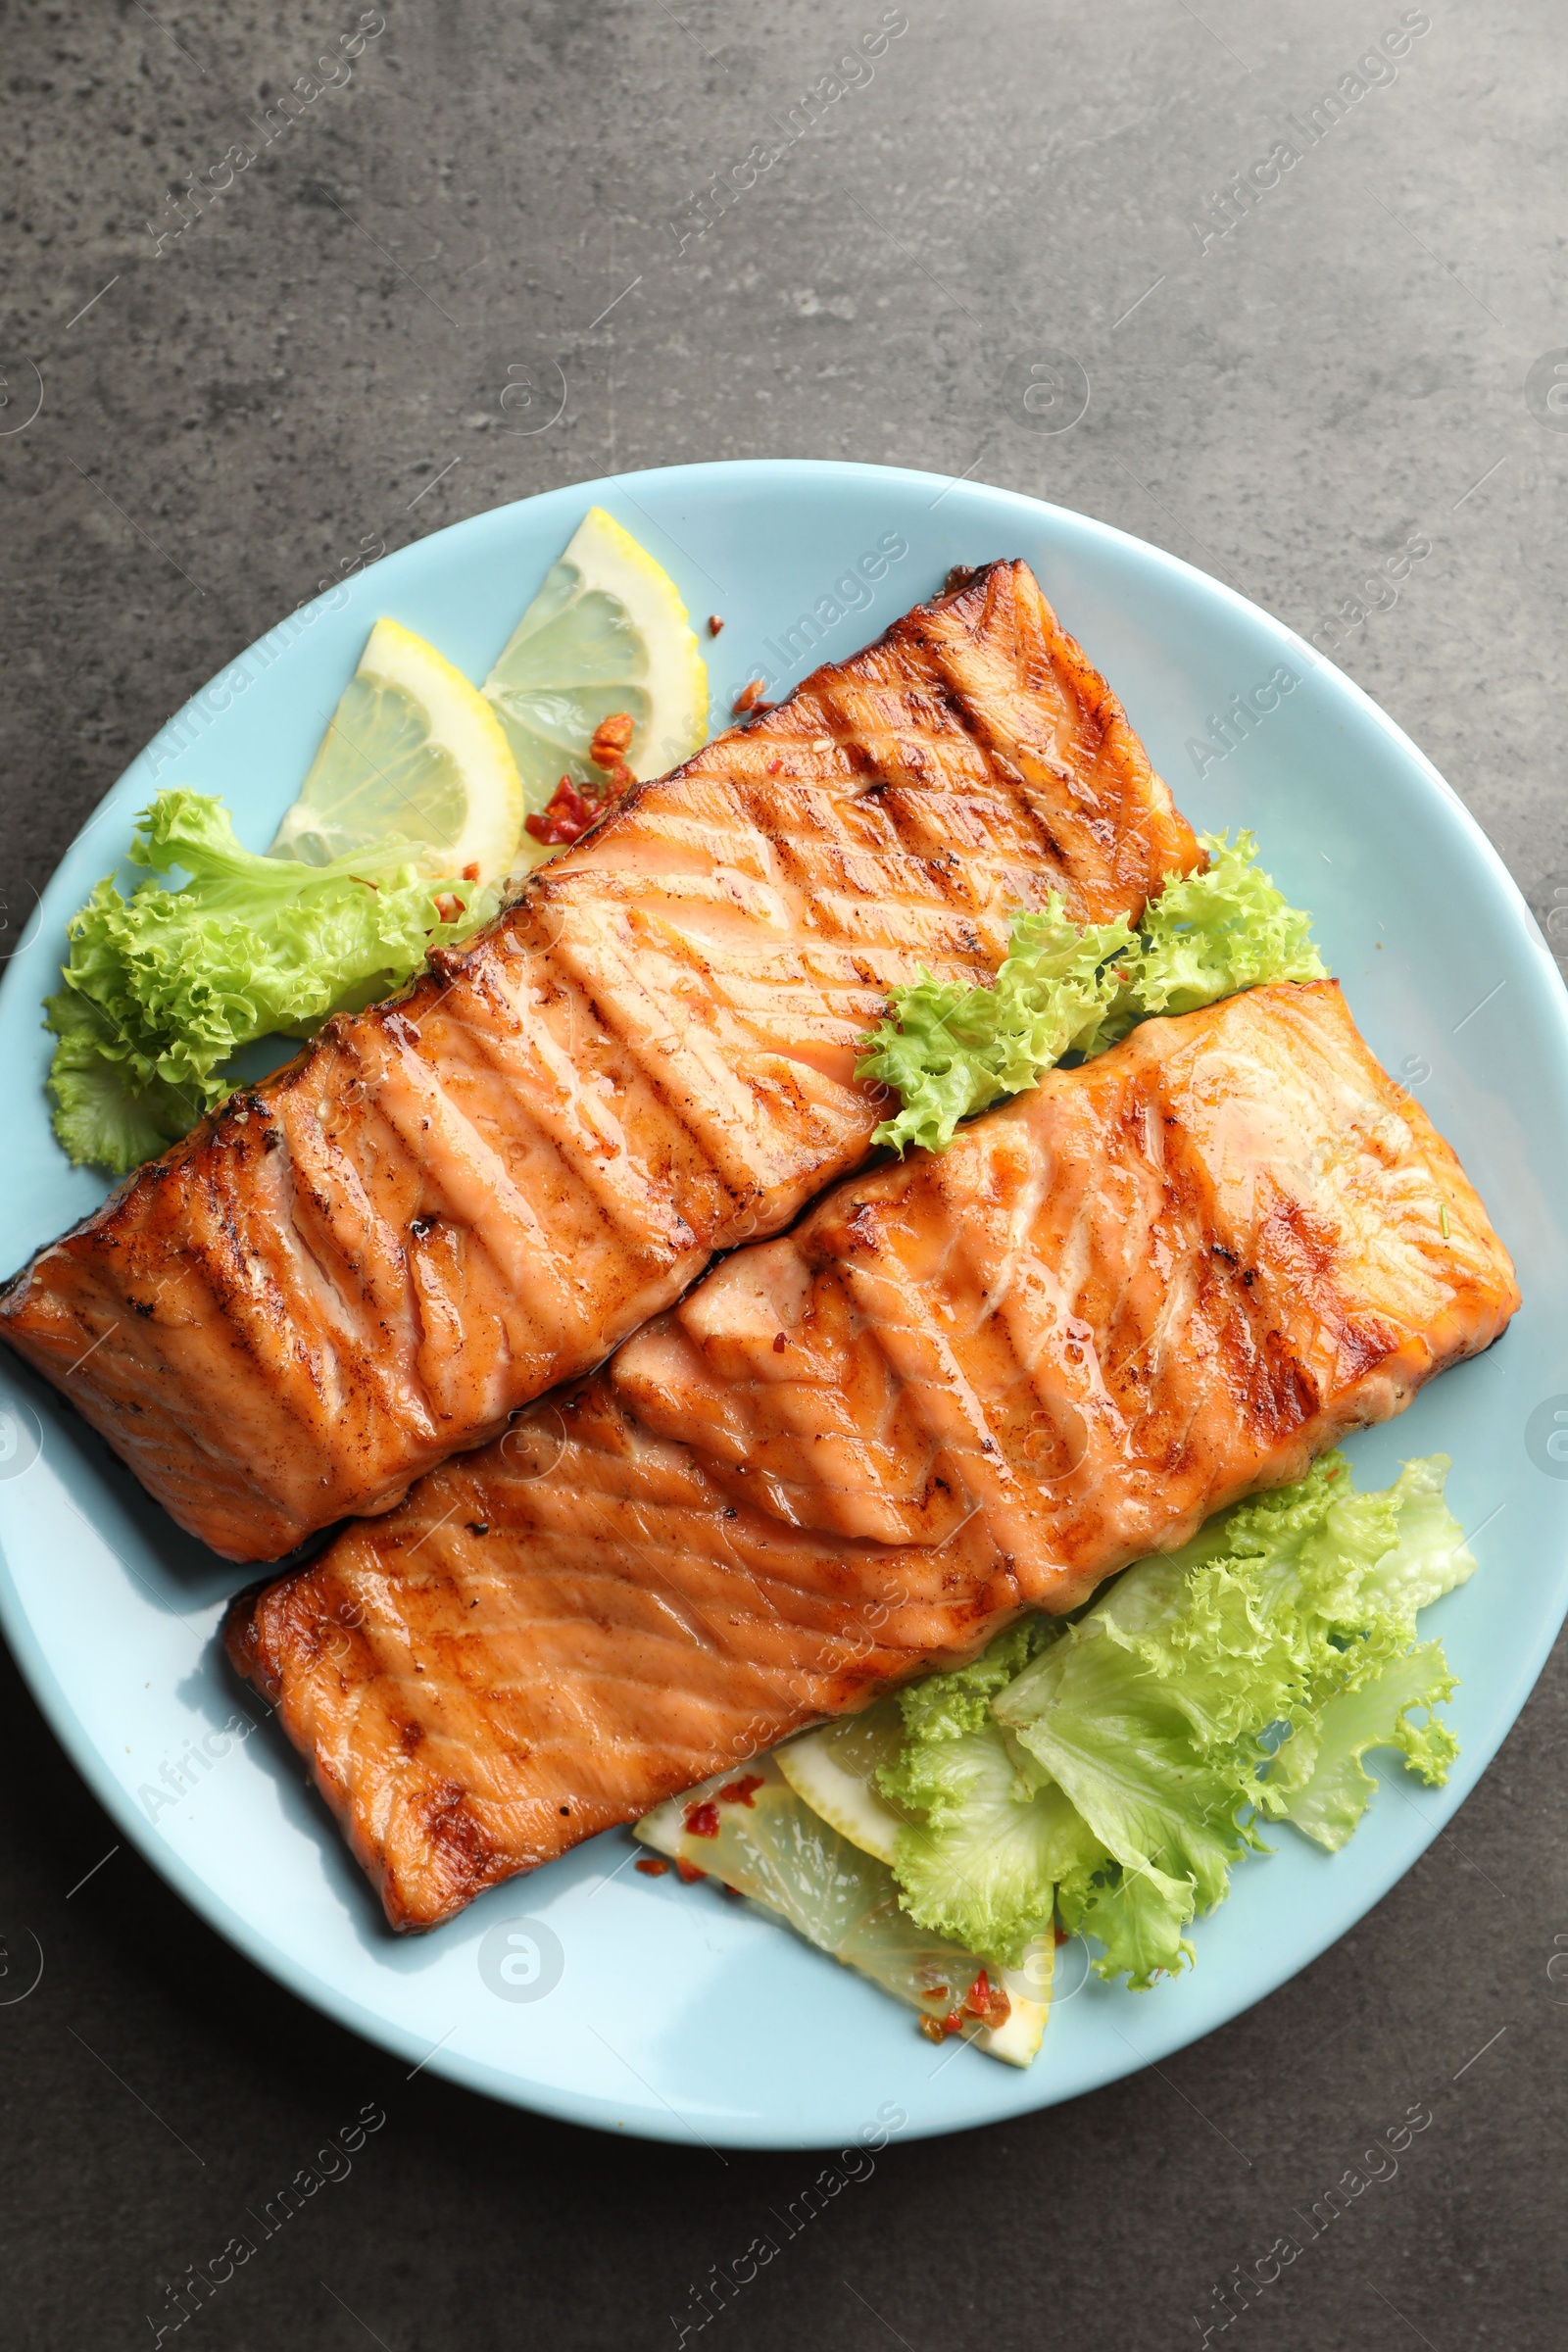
(962, 1387)
(452, 1202)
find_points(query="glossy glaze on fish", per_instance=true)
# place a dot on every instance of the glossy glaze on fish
(961, 1386)
(449, 1205)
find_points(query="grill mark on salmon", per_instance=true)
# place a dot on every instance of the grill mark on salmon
(960, 1386)
(448, 1205)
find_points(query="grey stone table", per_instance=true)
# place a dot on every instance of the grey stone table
(1311, 260)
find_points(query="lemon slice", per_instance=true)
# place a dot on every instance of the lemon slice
(606, 634)
(413, 749)
(768, 1844)
(833, 1770)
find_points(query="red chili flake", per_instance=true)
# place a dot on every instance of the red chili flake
(931, 2028)
(986, 2002)
(749, 700)
(652, 1866)
(610, 738)
(774, 767)
(780, 1343)
(714, 625)
(567, 818)
(1060, 1937)
(448, 905)
(689, 1872)
(741, 1791)
(702, 1820)
(470, 873)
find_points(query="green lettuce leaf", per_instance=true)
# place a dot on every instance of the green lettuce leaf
(1122, 1765)
(1208, 935)
(1337, 1789)
(979, 1854)
(990, 1854)
(102, 1113)
(948, 1051)
(160, 989)
(1136, 1915)
(945, 1706)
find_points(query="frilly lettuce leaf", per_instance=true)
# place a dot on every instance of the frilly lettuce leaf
(101, 1112)
(945, 1706)
(1337, 1789)
(979, 1854)
(949, 1051)
(1207, 934)
(1123, 1764)
(162, 988)
(989, 1855)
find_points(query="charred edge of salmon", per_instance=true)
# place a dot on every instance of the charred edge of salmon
(226, 1125)
(975, 585)
(460, 1860)
(242, 1636)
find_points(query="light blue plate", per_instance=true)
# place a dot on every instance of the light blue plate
(676, 2013)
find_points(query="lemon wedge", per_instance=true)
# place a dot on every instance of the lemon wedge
(607, 634)
(748, 1829)
(833, 1770)
(413, 749)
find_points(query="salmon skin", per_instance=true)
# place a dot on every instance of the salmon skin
(964, 1387)
(455, 1201)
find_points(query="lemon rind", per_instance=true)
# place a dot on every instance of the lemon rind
(605, 556)
(461, 723)
(845, 1801)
